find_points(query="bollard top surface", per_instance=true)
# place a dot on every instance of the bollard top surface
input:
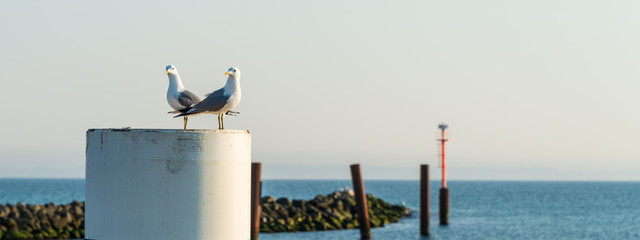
(150, 130)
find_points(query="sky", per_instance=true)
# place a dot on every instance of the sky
(531, 90)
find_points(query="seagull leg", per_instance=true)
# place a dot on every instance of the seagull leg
(222, 120)
(185, 122)
(219, 123)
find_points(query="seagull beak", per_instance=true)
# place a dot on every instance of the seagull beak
(227, 73)
(167, 72)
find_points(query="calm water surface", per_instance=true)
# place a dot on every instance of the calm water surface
(479, 209)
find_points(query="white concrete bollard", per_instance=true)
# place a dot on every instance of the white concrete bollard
(168, 184)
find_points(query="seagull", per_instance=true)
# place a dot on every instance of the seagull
(220, 101)
(180, 99)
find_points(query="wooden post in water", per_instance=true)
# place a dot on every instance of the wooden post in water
(256, 191)
(424, 199)
(361, 202)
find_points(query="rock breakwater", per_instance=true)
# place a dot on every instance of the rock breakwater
(334, 211)
(48, 221)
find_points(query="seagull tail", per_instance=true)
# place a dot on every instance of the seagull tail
(184, 114)
(187, 112)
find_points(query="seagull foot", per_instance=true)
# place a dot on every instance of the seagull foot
(232, 113)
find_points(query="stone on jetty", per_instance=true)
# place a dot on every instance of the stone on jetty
(334, 211)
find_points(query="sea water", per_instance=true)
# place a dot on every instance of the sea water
(478, 209)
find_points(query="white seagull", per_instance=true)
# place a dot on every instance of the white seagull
(221, 101)
(179, 98)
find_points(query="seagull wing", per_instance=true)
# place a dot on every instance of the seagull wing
(187, 99)
(212, 103)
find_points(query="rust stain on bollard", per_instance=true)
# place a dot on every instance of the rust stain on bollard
(361, 202)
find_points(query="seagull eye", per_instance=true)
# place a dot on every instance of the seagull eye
(172, 68)
(234, 70)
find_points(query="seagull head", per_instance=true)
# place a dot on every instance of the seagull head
(171, 70)
(233, 72)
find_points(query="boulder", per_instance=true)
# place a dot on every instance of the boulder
(12, 225)
(14, 214)
(267, 199)
(77, 211)
(284, 202)
(59, 222)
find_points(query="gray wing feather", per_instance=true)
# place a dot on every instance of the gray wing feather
(188, 99)
(212, 103)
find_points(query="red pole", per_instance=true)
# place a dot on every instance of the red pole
(444, 164)
(444, 192)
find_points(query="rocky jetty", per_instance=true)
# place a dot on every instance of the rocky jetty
(47, 221)
(334, 211)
